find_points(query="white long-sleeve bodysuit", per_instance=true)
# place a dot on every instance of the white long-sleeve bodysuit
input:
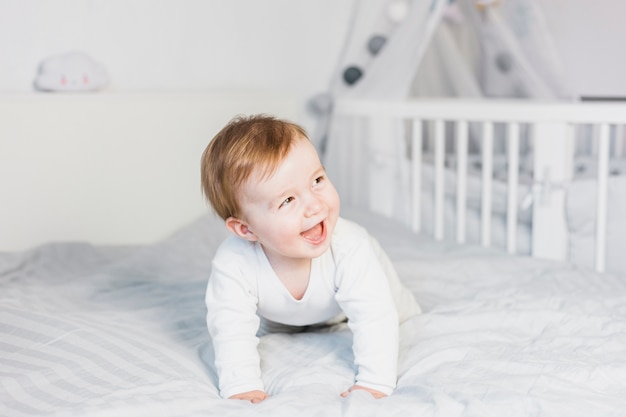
(353, 276)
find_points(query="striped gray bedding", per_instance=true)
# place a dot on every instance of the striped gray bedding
(120, 331)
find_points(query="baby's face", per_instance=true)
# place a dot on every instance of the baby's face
(293, 212)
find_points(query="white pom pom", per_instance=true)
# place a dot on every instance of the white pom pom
(397, 10)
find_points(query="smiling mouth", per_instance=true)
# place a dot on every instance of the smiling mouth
(316, 234)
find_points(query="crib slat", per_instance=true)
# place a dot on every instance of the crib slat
(601, 202)
(620, 139)
(487, 180)
(416, 176)
(349, 176)
(461, 187)
(513, 161)
(439, 177)
(553, 158)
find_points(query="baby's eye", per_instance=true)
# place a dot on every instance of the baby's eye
(318, 180)
(286, 201)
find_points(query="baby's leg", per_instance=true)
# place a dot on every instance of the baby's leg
(405, 302)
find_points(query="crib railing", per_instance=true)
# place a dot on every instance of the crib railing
(552, 126)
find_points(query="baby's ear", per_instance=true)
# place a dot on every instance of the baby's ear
(239, 228)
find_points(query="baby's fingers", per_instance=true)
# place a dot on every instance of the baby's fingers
(376, 394)
(252, 396)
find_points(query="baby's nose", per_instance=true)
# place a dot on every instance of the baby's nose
(314, 205)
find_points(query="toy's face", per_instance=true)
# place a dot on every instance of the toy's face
(71, 72)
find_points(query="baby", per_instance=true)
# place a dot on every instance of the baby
(292, 260)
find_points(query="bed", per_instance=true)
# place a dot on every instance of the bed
(95, 327)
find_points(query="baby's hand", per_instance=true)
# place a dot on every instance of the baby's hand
(376, 394)
(252, 396)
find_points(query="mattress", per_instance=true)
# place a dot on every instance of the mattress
(120, 331)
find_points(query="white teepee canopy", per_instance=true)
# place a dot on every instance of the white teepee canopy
(487, 48)
(397, 49)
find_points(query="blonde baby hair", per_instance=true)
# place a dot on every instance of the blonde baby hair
(245, 145)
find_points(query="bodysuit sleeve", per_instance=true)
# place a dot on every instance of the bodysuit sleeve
(231, 302)
(365, 297)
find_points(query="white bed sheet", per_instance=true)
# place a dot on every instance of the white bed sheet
(101, 331)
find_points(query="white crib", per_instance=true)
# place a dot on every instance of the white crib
(393, 132)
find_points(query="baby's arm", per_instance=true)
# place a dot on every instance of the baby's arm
(233, 324)
(365, 297)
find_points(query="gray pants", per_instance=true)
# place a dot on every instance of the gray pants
(267, 326)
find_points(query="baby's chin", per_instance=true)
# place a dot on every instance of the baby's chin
(320, 249)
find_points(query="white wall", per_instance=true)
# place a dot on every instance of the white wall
(590, 36)
(289, 45)
(286, 45)
(115, 168)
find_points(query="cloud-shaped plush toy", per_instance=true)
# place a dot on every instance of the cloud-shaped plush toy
(74, 71)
